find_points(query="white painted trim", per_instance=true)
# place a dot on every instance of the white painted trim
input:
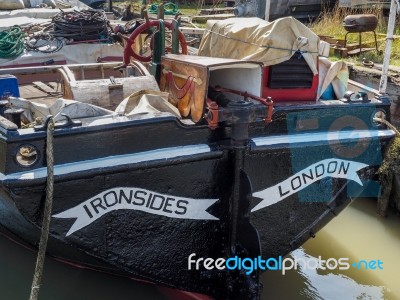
(184, 151)
(119, 160)
(321, 137)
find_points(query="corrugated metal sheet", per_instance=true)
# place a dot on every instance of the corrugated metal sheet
(364, 3)
(300, 9)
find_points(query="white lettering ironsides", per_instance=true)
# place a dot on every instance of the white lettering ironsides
(136, 199)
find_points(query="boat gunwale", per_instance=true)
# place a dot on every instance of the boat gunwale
(13, 180)
(27, 134)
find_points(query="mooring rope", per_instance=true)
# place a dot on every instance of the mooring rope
(381, 120)
(11, 42)
(37, 278)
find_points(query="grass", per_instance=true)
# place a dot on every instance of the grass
(330, 24)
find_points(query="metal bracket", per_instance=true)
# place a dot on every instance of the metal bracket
(360, 97)
(68, 123)
(239, 113)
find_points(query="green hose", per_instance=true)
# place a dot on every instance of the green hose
(11, 42)
(169, 9)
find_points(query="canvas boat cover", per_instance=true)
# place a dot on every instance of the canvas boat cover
(72, 108)
(333, 77)
(139, 103)
(12, 4)
(258, 40)
(147, 102)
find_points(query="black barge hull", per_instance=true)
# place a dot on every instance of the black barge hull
(163, 190)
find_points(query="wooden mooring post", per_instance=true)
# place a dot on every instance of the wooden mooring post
(389, 39)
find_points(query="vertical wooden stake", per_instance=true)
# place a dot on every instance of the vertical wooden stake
(388, 48)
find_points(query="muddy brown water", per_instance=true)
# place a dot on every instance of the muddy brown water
(357, 234)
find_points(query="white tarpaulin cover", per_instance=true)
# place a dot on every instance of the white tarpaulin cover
(11, 4)
(144, 102)
(72, 108)
(141, 102)
(335, 73)
(258, 40)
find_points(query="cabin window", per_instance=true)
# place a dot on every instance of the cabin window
(27, 155)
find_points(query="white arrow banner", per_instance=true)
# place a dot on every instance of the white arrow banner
(336, 168)
(136, 199)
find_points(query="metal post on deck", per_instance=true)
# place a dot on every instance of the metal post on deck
(142, 9)
(175, 36)
(267, 9)
(394, 6)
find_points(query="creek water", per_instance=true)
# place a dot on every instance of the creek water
(357, 234)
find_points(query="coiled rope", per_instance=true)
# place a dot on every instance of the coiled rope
(37, 278)
(11, 42)
(85, 25)
(43, 42)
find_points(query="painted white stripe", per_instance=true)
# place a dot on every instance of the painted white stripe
(321, 136)
(173, 152)
(120, 160)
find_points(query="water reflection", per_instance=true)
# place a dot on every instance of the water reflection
(358, 233)
(324, 286)
(63, 282)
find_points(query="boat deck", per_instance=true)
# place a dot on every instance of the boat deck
(41, 91)
(50, 81)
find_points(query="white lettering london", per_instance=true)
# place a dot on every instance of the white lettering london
(335, 168)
